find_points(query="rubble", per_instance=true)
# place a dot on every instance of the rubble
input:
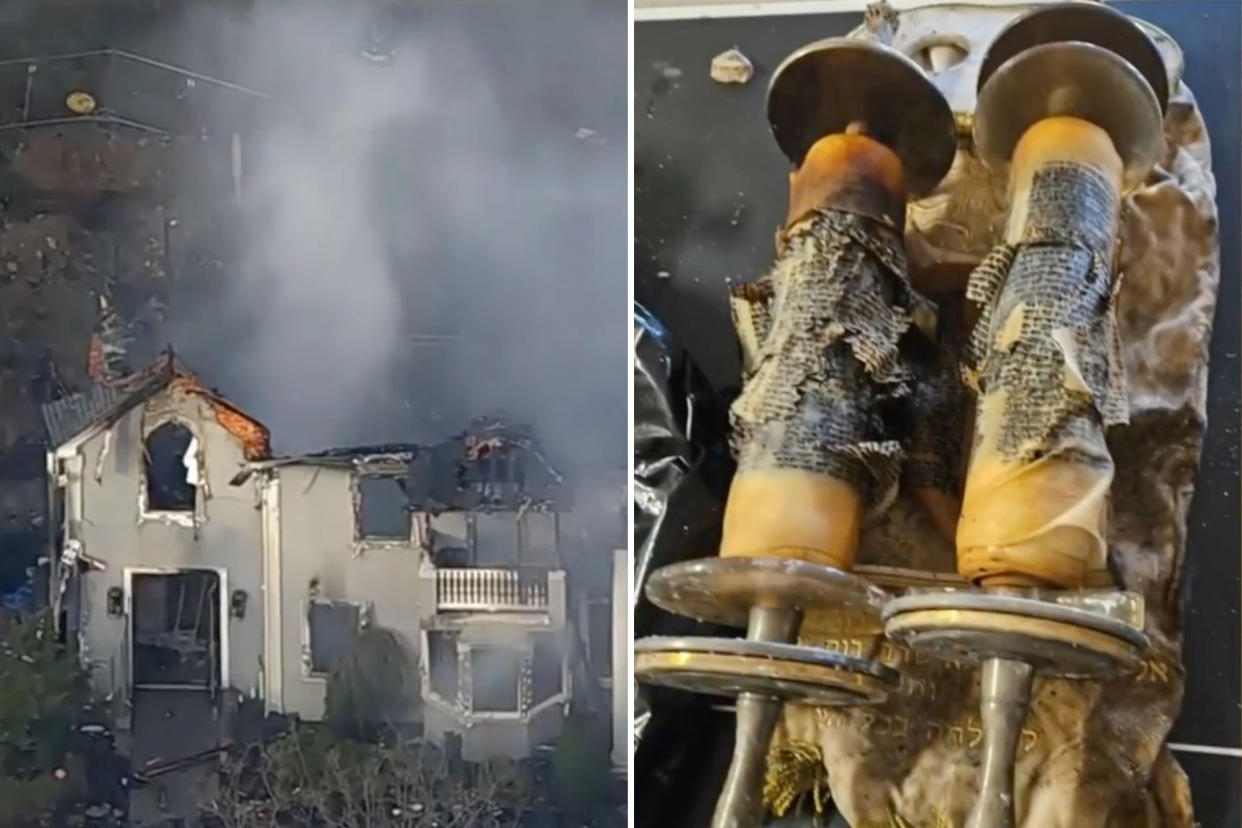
(731, 66)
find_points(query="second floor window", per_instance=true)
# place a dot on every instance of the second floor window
(383, 509)
(170, 468)
(495, 539)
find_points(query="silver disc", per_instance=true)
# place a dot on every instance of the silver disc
(1084, 22)
(824, 86)
(790, 672)
(1078, 80)
(724, 590)
(1017, 605)
(1056, 640)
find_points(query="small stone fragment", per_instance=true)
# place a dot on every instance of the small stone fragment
(732, 67)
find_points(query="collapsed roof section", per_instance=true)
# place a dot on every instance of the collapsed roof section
(491, 466)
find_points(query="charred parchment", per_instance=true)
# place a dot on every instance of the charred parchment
(1047, 337)
(1091, 754)
(1045, 362)
(826, 336)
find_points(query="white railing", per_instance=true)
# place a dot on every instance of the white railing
(491, 590)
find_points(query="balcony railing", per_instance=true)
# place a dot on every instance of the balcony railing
(491, 590)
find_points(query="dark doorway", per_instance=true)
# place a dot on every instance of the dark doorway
(176, 629)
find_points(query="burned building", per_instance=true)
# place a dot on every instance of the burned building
(455, 548)
(189, 558)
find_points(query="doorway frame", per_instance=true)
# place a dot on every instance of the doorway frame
(220, 572)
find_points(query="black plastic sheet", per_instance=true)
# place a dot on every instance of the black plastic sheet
(681, 474)
(682, 470)
(682, 466)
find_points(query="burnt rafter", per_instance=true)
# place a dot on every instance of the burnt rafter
(490, 466)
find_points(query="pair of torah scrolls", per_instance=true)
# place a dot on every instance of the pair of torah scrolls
(851, 385)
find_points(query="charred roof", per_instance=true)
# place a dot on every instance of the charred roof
(491, 466)
(106, 400)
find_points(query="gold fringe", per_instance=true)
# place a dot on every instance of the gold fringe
(795, 769)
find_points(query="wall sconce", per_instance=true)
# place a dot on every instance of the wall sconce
(237, 605)
(116, 602)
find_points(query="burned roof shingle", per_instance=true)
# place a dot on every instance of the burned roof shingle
(69, 416)
(491, 466)
(103, 402)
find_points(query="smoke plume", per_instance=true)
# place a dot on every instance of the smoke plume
(423, 239)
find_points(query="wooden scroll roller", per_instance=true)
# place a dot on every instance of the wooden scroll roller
(808, 427)
(1062, 103)
(817, 428)
(1035, 505)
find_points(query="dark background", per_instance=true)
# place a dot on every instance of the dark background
(710, 190)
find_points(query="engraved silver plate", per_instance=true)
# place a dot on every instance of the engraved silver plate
(1084, 636)
(1093, 615)
(724, 590)
(791, 673)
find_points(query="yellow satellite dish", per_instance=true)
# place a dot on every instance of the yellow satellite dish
(80, 103)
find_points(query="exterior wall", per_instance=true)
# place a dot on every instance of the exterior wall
(317, 545)
(102, 507)
(490, 735)
(318, 555)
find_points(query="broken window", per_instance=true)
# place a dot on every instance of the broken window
(494, 676)
(383, 510)
(495, 539)
(442, 663)
(496, 475)
(332, 632)
(545, 673)
(538, 540)
(171, 467)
